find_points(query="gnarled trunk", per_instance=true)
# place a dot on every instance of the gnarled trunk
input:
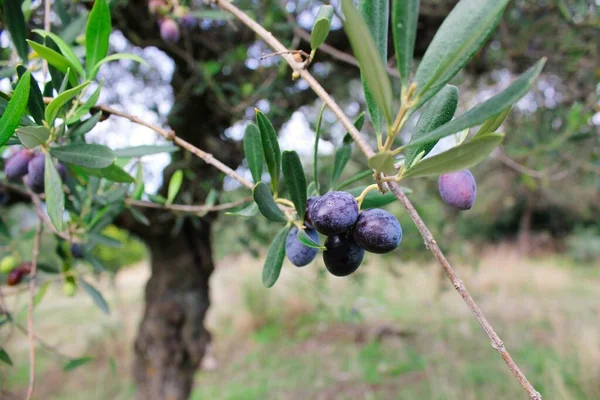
(172, 338)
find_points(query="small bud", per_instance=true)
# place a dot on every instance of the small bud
(169, 30)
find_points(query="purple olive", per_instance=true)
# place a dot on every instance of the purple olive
(334, 213)
(35, 175)
(343, 255)
(377, 231)
(458, 189)
(77, 250)
(16, 166)
(188, 21)
(299, 254)
(169, 30)
(307, 215)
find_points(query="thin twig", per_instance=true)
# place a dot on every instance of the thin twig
(458, 284)
(551, 176)
(32, 274)
(185, 208)
(368, 151)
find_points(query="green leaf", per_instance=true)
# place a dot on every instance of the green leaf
(15, 20)
(355, 178)
(85, 107)
(374, 199)
(55, 197)
(315, 182)
(249, 211)
(66, 51)
(321, 26)
(383, 162)
(253, 151)
(145, 150)
(438, 111)
(311, 189)
(274, 260)
(139, 188)
(487, 109)
(460, 157)
(88, 155)
(7, 72)
(96, 296)
(370, 59)
(97, 34)
(174, 185)
(493, 123)
(84, 127)
(15, 109)
(293, 174)
(157, 198)
(113, 173)
(139, 216)
(76, 362)
(35, 103)
(59, 101)
(267, 206)
(4, 357)
(54, 58)
(41, 292)
(463, 32)
(271, 152)
(32, 136)
(405, 15)
(344, 152)
(116, 57)
(376, 15)
(307, 240)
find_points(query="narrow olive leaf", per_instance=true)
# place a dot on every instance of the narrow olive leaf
(96, 296)
(354, 178)
(116, 57)
(145, 150)
(311, 189)
(4, 357)
(97, 33)
(65, 49)
(35, 103)
(295, 180)
(487, 109)
(139, 216)
(274, 260)
(464, 156)
(76, 362)
(271, 152)
(84, 127)
(344, 152)
(383, 162)
(321, 27)
(85, 107)
(88, 155)
(32, 136)
(494, 122)
(113, 173)
(370, 59)
(307, 240)
(55, 197)
(174, 186)
(59, 101)
(54, 58)
(15, 109)
(315, 181)
(463, 32)
(438, 111)
(249, 211)
(266, 205)
(253, 152)
(15, 21)
(405, 15)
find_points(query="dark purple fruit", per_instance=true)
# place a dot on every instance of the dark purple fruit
(16, 166)
(35, 175)
(16, 275)
(77, 250)
(307, 215)
(342, 255)
(334, 213)
(169, 30)
(458, 189)
(188, 21)
(377, 231)
(299, 254)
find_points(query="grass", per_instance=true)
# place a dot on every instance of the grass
(395, 331)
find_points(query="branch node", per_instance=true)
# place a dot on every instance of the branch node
(171, 135)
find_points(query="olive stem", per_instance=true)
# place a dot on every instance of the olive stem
(285, 202)
(362, 196)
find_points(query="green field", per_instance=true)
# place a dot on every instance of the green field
(396, 331)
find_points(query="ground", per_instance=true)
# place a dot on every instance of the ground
(395, 331)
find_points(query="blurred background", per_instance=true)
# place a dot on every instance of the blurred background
(528, 251)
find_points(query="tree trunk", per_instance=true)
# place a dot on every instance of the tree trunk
(172, 338)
